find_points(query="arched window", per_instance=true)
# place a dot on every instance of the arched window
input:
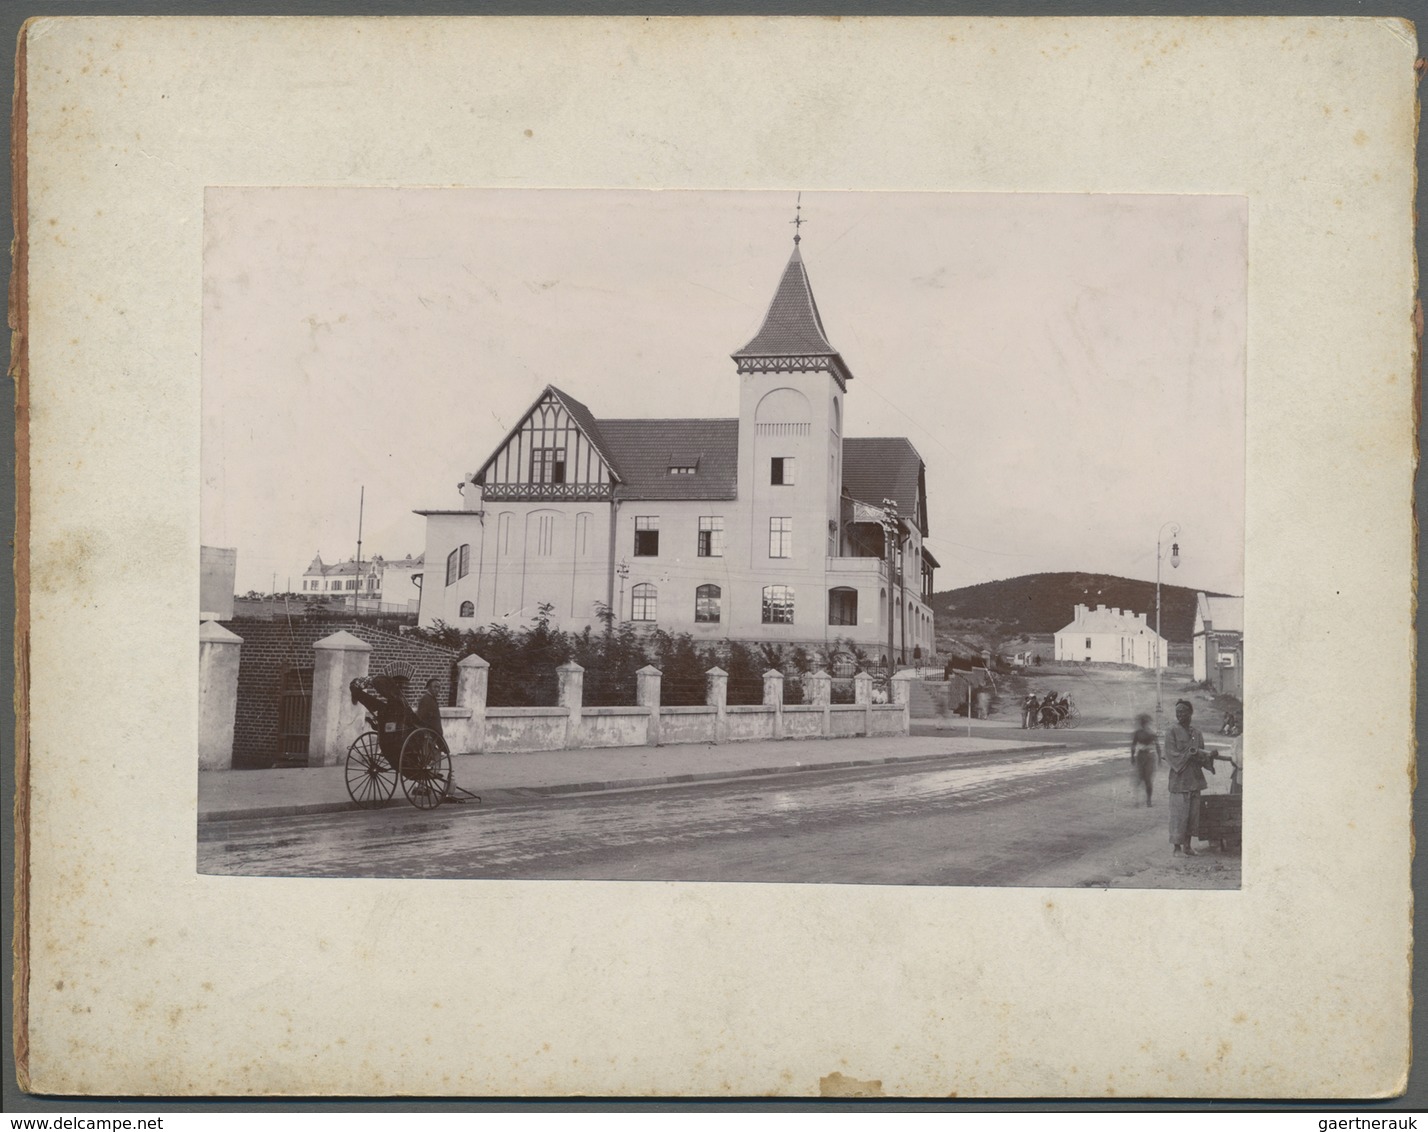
(778, 605)
(468, 609)
(842, 606)
(644, 599)
(706, 603)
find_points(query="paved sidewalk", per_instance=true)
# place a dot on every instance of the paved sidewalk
(239, 794)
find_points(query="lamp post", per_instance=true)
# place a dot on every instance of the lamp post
(1159, 640)
(891, 533)
(623, 569)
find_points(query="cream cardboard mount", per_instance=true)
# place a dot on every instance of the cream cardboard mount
(136, 975)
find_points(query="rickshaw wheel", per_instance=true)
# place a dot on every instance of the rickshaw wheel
(371, 781)
(1073, 718)
(425, 770)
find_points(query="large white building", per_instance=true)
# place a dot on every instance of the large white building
(1110, 636)
(768, 526)
(376, 581)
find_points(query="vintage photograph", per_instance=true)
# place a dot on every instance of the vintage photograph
(782, 536)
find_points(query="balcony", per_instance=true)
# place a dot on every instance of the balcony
(867, 567)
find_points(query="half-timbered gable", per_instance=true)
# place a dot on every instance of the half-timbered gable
(556, 452)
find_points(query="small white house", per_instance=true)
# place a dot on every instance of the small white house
(1218, 640)
(1110, 636)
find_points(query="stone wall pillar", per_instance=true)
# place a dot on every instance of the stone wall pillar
(218, 653)
(820, 687)
(647, 692)
(773, 695)
(901, 685)
(473, 677)
(716, 695)
(336, 720)
(863, 694)
(571, 696)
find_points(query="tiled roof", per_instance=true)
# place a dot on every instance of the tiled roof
(792, 327)
(1225, 614)
(645, 450)
(884, 467)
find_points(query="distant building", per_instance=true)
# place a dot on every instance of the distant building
(767, 527)
(1110, 636)
(217, 567)
(391, 584)
(1219, 651)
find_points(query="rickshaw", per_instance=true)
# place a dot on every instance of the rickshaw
(396, 749)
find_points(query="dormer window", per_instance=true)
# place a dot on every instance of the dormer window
(683, 463)
(683, 469)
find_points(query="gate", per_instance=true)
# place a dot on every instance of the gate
(295, 716)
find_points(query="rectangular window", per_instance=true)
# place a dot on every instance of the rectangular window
(1088, 642)
(451, 560)
(778, 605)
(781, 470)
(842, 606)
(547, 465)
(646, 536)
(465, 559)
(682, 469)
(780, 536)
(711, 536)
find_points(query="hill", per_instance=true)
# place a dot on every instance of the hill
(1044, 603)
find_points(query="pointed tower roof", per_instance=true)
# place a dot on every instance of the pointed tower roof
(792, 337)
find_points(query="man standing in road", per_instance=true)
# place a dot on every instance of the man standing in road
(1186, 753)
(1030, 708)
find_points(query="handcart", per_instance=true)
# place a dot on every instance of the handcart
(1220, 819)
(377, 759)
(396, 747)
(1221, 814)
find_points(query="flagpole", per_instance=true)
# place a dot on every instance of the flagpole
(357, 579)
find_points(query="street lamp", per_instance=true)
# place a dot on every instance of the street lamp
(623, 569)
(1159, 640)
(893, 538)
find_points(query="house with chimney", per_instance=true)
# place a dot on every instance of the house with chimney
(1110, 636)
(767, 526)
(1218, 642)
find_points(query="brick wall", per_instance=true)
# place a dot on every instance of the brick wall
(273, 648)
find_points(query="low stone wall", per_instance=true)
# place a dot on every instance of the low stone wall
(613, 727)
(520, 729)
(472, 727)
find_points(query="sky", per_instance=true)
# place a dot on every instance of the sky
(1069, 366)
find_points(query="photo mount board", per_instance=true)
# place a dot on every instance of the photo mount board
(1296, 985)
